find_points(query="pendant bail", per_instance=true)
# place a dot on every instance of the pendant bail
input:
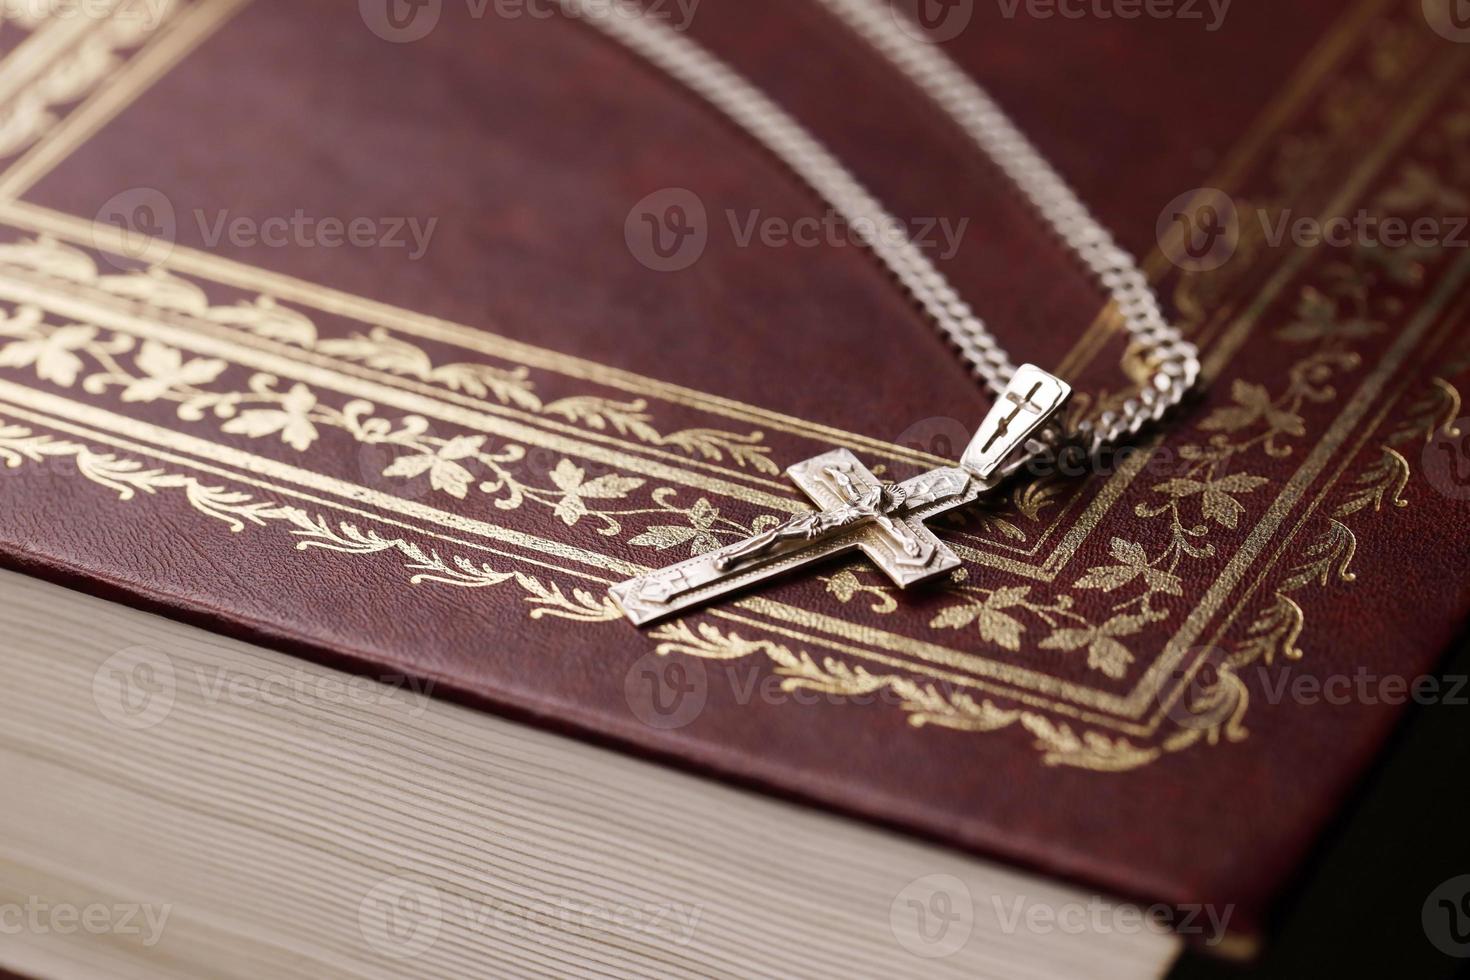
(1030, 402)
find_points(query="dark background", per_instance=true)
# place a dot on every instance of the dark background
(1357, 914)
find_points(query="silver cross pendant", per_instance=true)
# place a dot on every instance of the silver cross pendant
(858, 511)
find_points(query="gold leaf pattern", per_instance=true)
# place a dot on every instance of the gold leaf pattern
(925, 704)
(129, 478)
(1318, 317)
(1216, 496)
(1132, 563)
(65, 76)
(1104, 652)
(1253, 404)
(848, 584)
(576, 490)
(292, 420)
(52, 352)
(994, 612)
(1381, 483)
(381, 350)
(297, 417)
(1277, 628)
(164, 368)
(1432, 412)
(1330, 555)
(443, 465)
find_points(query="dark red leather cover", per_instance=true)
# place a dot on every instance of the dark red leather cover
(214, 404)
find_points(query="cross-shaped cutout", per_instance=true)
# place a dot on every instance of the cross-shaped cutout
(1023, 404)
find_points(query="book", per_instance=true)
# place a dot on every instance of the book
(392, 353)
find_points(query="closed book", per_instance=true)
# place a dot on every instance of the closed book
(392, 344)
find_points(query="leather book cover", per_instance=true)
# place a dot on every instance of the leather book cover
(393, 335)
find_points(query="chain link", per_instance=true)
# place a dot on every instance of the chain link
(1175, 361)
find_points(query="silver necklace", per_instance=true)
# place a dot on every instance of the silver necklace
(857, 510)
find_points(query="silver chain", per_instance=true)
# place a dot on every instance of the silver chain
(1174, 360)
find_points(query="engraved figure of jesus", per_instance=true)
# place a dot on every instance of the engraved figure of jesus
(865, 502)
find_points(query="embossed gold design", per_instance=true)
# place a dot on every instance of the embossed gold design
(168, 41)
(1434, 411)
(129, 478)
(1277, 628)
(1381, 483)
(63, 59)
(381, 351)
(847, 585)
(995, 612)
(296, 415)
(1419, 187)
(927, 704)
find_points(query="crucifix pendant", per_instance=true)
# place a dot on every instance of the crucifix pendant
(858, 511)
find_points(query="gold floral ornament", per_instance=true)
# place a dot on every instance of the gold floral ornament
(994, 612)
(700, 533)
(446, 472)
(1217, 500)
(1133, 562)
(379, 349)
(237, 509)
(576, 490)
(1104, 652)
(296, 416)
(1379, 484)
(51, 351)
(164, 368)
(1319, 316)
(989, 614)
(847, 585)
(632, 419)
(62, 75)
(292, 418)
(1420, 188)
(1253, 403)
(382, 351)
(926, 704)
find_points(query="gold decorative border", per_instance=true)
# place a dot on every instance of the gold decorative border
(75, 72)
(130, 478)
(64, 57)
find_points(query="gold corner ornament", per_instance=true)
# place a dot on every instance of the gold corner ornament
(885, 521)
